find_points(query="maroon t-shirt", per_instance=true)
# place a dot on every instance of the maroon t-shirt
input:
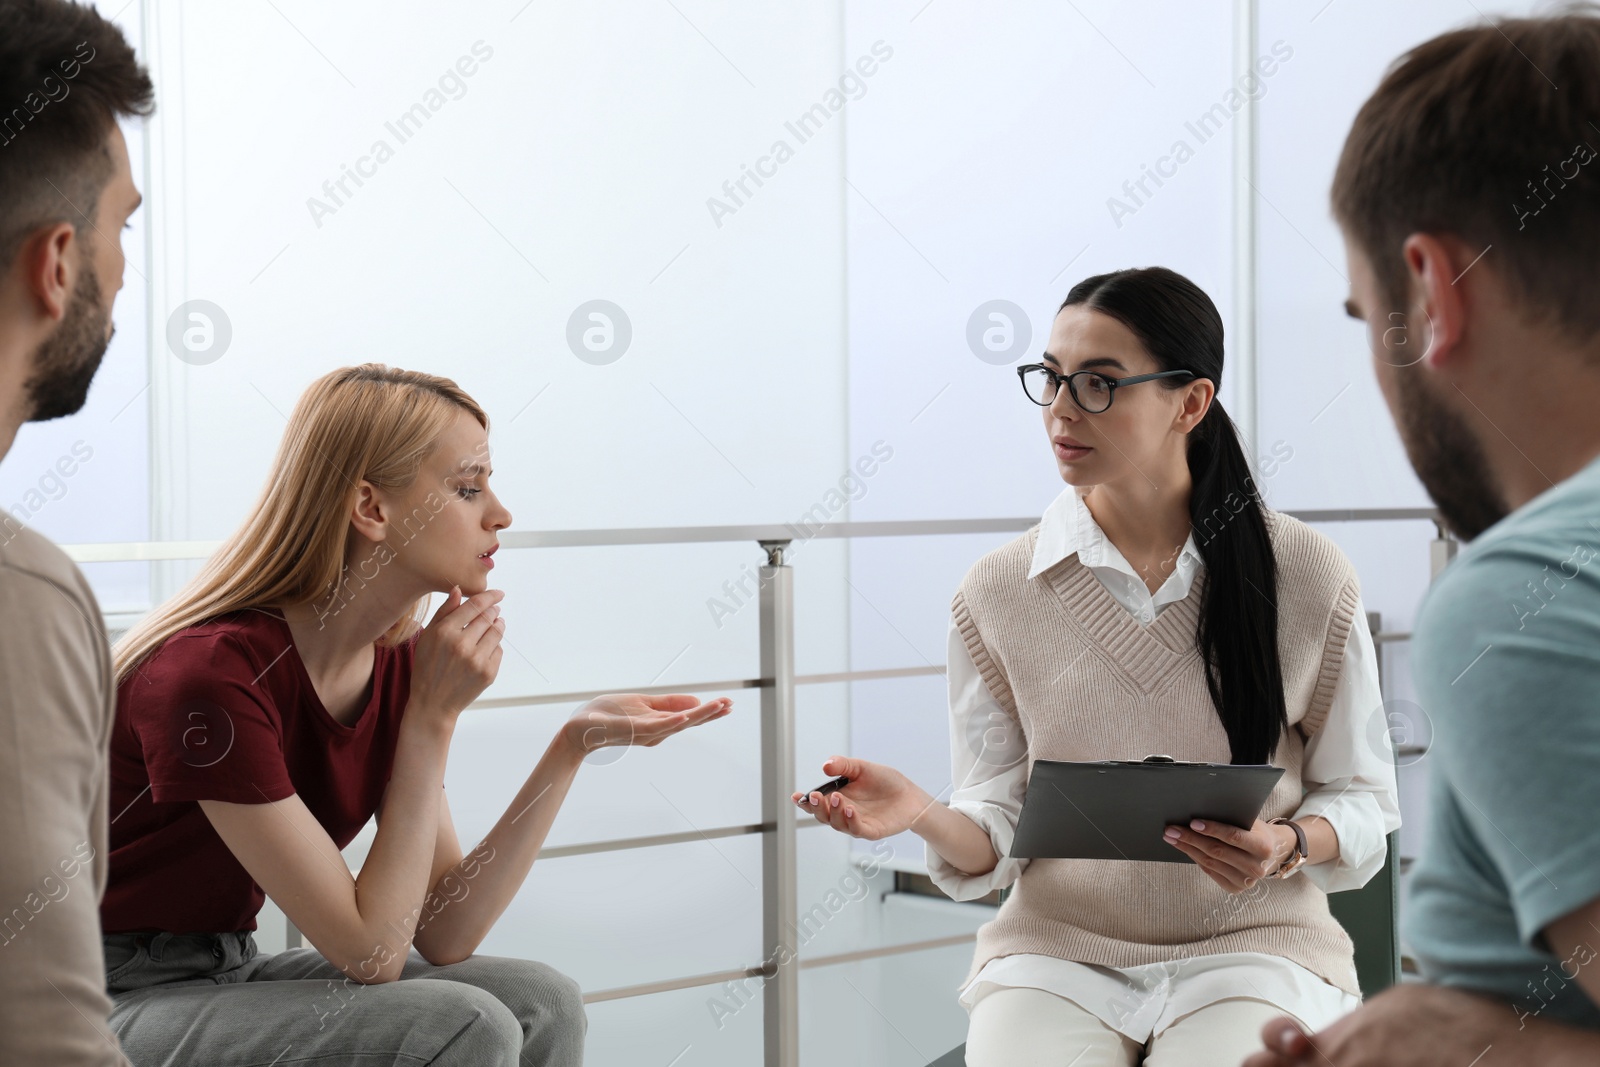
(226, 711)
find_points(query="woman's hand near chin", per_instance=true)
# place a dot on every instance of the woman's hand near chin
(458, 654)
(879, 801)
(619, 719)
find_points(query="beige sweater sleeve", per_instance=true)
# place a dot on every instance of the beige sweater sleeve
(56, 709)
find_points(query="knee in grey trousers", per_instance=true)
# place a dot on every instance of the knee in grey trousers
(211, 1000)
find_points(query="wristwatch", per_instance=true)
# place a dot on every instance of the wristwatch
(1296, 858)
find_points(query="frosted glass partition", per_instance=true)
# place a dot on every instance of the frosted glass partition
(1317, 390)
(1004, 154)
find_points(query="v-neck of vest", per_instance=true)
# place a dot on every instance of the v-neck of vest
(1148, 654)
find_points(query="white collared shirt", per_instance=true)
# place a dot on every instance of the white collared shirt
(1346, 782)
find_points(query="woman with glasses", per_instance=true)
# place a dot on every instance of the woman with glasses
(1157, 607)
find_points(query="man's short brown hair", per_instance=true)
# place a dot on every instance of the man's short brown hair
(66, 74)
(1492, 134)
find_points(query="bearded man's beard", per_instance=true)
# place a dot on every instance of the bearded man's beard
(65, 363)
(1447, 458)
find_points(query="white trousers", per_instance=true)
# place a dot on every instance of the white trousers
(1025, 1027)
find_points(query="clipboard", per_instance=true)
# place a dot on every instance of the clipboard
(1118, 809)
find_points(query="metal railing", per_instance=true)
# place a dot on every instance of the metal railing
(777, 682)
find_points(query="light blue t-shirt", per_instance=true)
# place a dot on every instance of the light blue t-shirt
(1507, 664)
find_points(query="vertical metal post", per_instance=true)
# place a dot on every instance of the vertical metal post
(1374, 624)
(781, 992)
(1441, 551)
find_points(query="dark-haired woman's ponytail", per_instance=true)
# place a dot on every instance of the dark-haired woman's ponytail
(1237, 636)
(1238, 629)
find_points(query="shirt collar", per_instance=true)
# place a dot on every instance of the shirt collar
(1067, 528)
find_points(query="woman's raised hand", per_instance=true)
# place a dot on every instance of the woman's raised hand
(878, 802)
(633, 719)
(458, 654)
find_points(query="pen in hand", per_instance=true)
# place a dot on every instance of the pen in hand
(825, 788)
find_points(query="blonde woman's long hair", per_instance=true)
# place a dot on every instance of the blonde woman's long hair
(370, 422)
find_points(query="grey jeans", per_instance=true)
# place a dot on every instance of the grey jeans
(212, 1000)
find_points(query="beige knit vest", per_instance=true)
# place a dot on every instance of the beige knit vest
(1086, 682)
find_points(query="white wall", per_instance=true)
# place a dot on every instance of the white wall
(1002, 176)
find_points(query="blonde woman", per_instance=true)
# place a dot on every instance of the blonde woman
(290, 693)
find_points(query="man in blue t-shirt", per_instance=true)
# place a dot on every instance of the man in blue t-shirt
(1468, 193)
(1508, 651)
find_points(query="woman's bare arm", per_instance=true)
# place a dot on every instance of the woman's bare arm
(364, 925)
(472, 893)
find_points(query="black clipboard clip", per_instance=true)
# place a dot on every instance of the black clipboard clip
(1157, 759)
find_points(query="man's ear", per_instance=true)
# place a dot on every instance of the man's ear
(51, 261)
(370, 513)
(1437, 267)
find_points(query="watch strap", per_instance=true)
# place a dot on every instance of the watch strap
(1301, 850)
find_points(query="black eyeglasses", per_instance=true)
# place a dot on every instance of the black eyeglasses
(1090, 390)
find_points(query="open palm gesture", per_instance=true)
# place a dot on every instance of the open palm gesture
(634, 719)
